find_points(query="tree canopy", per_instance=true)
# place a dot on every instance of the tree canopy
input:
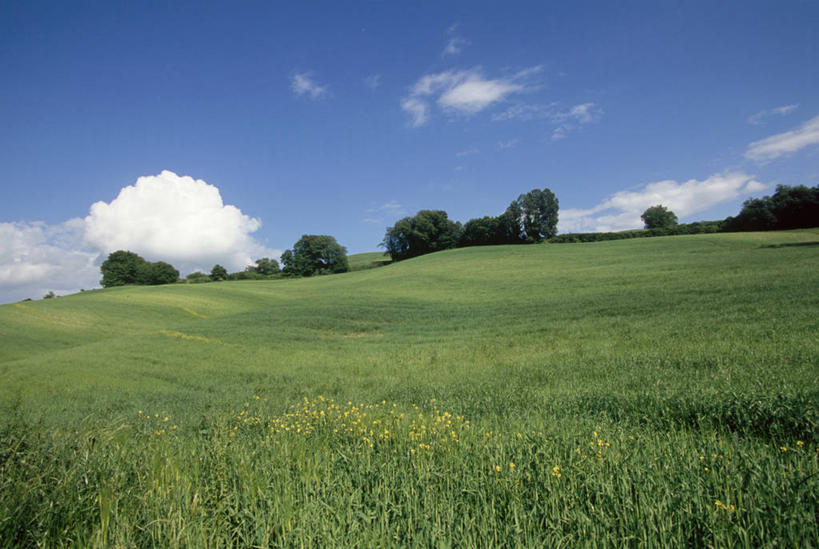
(314, 255)
(218, 273)
(428, 231)
(123, 267)
(265, 266)
(538, 215)
(788, 208)
(659, 217)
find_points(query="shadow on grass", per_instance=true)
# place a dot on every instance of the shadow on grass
(792, 244)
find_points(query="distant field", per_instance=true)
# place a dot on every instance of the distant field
(630, 393)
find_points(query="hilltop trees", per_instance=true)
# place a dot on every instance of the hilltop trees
(530, 218)
(123, 267)
(788, 208)
(265, 266)
(538, 215)
(218, 273)
(659, 217)
(314, 255)
(428, 231)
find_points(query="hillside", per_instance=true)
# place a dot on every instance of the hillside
(687, 342)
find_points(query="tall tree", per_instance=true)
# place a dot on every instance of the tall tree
(538, 215)
(123, 267)
(315, 254)
(218, 273)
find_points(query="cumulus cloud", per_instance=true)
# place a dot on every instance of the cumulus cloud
(165, 217)
(761, 116)
(786, 143)
(460, 92)
(36, 258)
(302, 84)
(622, 210)
(176, 219)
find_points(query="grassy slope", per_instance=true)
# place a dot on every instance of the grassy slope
(704, 312)
(650, 336)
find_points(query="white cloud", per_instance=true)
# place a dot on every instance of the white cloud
(455, 45)
(579, 115)
(760, 117)
(460, 92)
(176, 219)
(783, 144)
(302, 84)
(622, 210)
(165, 217)
(36, 258)
(373, 81)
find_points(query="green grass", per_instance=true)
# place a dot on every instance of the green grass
(673, 382)
(368, 260)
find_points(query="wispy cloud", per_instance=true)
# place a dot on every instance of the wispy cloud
(564, 120)
(467, 152)
(463, 92)
(373, 81)
(783, 144)
(455, 43)
(508, 144)
(577, 116)
(622, 210)
(384, 213)
(302, 84)
(761, 116)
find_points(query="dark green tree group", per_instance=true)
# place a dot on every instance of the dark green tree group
(531, 218)
(788, 208)
(659, 217)
(315, 255)
(426, 232)
(123, 267)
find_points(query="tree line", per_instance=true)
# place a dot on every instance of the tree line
(311, 255)
(531, 218)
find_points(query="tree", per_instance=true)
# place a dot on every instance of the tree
(659, 217)
(428, 231)
(218, 273)
(161, 273)
(315, 254)
(265, 266)
(538, 215)
(121, 268)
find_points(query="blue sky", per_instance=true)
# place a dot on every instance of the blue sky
(199, 132)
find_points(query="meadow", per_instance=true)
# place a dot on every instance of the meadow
(641, 393)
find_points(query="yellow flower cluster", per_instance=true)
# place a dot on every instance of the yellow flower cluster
(359, 423)
(160, 420)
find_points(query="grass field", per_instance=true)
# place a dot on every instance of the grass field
(645, 393)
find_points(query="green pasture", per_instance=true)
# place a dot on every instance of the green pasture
(647, 392)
